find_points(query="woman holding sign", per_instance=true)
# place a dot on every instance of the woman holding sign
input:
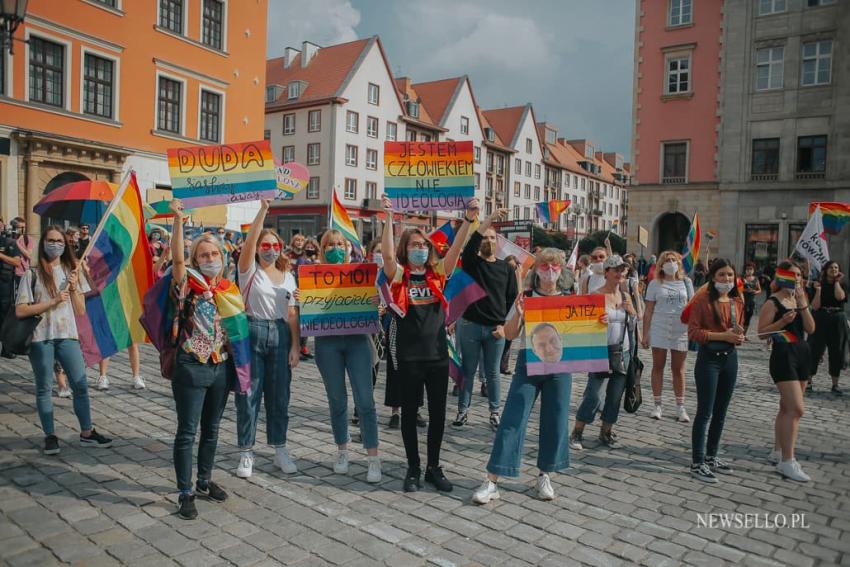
(336, 354)
(267, 290)
(417, 339)
(549, 277)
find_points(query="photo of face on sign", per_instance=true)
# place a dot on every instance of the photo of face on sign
(546, 343)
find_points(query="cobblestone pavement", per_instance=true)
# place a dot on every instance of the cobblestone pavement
(634, 504)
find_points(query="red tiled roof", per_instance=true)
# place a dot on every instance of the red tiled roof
(436, 96)
(405, 87)
(505, 121)
(497, 142)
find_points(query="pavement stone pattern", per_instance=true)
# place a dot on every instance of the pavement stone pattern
(631, 505)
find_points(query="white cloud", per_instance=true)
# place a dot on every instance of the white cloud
(325, 22)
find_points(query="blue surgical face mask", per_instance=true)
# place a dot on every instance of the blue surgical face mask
(54, 250)
(418, 256)
(335, 256)
(270, 256)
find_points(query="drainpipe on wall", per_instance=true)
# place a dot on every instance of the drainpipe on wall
(332, 158)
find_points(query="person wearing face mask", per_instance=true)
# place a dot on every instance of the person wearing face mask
(296, 248)
(268, 292)
(594, 277)
(418, 345)
(785, 318)
(204, 366)
(650, 271)
(831, 323)
(664, 331)
(54, 290)
(337, 355)
(714, 322)
(548, 277)
(751, 289)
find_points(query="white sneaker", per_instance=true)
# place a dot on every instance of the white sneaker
(775, 457)
(138, 383)
(373, 475)
(656, 412)
(341, 464)
(65, 392)
(544, 487)
(487, 492)
(682, 415)
(284, 461)
(791, 470)
(103, 383)
(246, 465)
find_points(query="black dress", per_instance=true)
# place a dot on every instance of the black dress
(790, 357)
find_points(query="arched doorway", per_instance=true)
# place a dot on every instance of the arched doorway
(58, 181)
(671, 232)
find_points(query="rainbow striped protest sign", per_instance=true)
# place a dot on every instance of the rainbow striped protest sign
(564, 334)
(338, 299)
(217, 175)
(428, 176)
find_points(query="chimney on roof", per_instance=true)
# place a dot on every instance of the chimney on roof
(289, 55)
(308, 51)
(403, 84)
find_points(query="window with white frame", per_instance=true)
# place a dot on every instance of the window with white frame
(583, 184)
(528, 169)
(528, 146)
(490, 162)
(536, 171)
(518, 166)
(575, 182)
(213, 23)
(411, 135)
(678, 74)
(47, 72)
(288, 124)
(371, 127)
(488, 208)
(374, 94)
(371, 159)
(500, 164)
(171, 15)
(351, 189)
(98, 85)
(674, 165)
(413, 109)
(476, 152)
(767, 7)
(769, 68)
(392, 131)
(536, 193)
(817, 63)
(313, 188)
(293, 90)
(288, 154)
(527, 191)
(526, 213)
(351, 155)
(210, 116)
(169, 105)
(516, 212)
(464, 125)
(314, 152)
(352, 122)
(371, 190)
(680, 13)
(314, 121)
(517, 188)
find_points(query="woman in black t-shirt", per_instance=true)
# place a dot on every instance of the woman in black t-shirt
(830, 323)
(417, 339)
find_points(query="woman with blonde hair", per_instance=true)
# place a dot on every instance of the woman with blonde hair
(267, 290)
(663, 330)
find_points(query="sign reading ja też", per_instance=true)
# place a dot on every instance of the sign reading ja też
(338, 299)
(428, 176)
(218, 175)
(564, 334)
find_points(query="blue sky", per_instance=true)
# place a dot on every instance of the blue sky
(572, 59)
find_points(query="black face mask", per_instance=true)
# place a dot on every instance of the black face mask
(310, 252)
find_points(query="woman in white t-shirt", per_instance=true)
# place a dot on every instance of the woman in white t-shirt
(663, 330)
(594, 279)
(267, 289)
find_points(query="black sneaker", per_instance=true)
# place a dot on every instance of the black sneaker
(7, 354)
(700, 471)
(461, 419)
(836, 391)
(420, 421)
(395, 421)
(187, 510)
(435, 477)
(51, 445)
(607, 438)
(809, 388)
(718, 466)
(95, 439)
(211, 491)
(495, 420)
(412, 480)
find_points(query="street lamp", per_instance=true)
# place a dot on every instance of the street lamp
(12, 13)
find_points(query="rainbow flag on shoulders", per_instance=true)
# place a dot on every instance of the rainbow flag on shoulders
(690, 255)
(120, 272)
(342, 222)
(835, 215)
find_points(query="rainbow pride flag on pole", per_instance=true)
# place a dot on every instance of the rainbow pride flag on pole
(835, 215)
(120, 272)
(549, 212)
(690, 255)
(342, 222)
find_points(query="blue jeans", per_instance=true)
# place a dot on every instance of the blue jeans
(472, 340)
(335, 355)
(613, 395)
(554, 452)
(270, 379)
(715, 376)
(67, 351)
(200, 395)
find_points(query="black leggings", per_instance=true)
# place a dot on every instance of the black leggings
(435, 377)
(830, 333)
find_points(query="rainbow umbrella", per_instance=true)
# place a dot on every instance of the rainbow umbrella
(79, 202)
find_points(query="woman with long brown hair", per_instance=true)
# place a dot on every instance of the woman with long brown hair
(267, 290)
(831, 323)
(54, 290)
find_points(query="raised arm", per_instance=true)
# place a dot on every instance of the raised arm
(388, 240)
(249, 247)
(178, 266)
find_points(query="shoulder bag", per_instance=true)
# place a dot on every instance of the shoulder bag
(16, 334)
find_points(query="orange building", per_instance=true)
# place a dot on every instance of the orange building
(101, 86)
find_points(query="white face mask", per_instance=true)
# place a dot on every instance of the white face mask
(548, 275)
(724, 287)
(670, 268)
(379, 259)
(597, 268)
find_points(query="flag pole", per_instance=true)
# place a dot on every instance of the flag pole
(125, 182)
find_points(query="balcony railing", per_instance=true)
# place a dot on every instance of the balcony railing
(672, 180)
(811, 174)
(764, 177)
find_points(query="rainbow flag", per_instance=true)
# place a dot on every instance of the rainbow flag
(785, 278)
(835, 215)
(342, 222)
(443, 238)
(159, 210)
(690, 255)
(785, 337)
(120, 273)
(429, 176)
(461, 292)
(549, 212)
(455, 367)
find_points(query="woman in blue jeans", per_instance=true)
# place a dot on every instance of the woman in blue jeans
(549, 277)
(716, 322)
(54, 290)
(334, 356)
(267, 290)
(618, 310)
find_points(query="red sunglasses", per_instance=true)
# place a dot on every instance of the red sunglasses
(269, 246)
